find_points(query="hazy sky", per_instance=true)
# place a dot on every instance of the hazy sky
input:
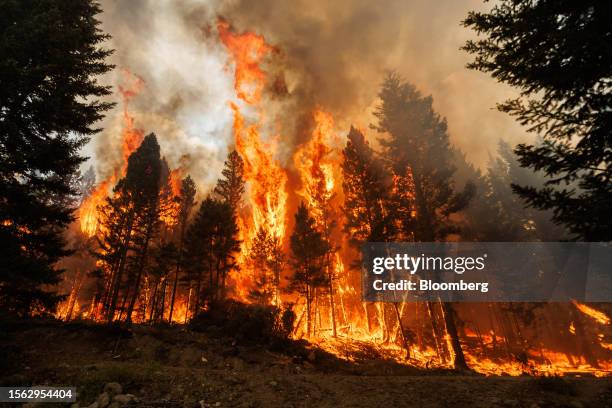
(331, 54)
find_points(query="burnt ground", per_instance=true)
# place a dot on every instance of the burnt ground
(174, 367)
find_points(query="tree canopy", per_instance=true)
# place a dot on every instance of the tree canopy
(50, 100)
(557, 55)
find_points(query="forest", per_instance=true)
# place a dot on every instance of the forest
(266, 247)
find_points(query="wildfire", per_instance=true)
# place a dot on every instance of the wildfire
(599, 317)
(248, 51)
(169, 204)
(131, 137)
(412, 333)
(265, 178)
(318, 163)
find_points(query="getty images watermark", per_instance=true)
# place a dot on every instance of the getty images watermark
(487, 271)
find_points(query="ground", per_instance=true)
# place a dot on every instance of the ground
(175, 367)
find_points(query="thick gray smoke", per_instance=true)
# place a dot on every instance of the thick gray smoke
(331, 54)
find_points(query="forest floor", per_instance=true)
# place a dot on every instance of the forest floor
(173, 367)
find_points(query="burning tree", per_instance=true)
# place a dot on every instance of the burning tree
(418, 144)
(186, 202)
(211, 248)
(267, 259)
(230, 188)
(308, 250)
(131, 219)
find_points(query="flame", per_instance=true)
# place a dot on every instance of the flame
(247, 51)
(318, 163)
(599, 317)
(88, 211)
(414, 338)
(169, 203)
(131, 138)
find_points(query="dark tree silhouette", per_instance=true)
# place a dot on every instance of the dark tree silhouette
(267, 259)
(231, 187)
(50, 100)
(186, 203)
(557, 54)
(308, 250)
(129, 221)
(210, 249)
(499, 215)
(418, 143)
(366, 186)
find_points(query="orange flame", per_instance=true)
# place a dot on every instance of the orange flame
(265, 178)
(131, 138)
(599, 317)
(247, 50)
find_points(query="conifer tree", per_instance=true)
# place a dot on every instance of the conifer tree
(265, 286)
(186, 203)
(557, 55)
(210, 250)
(418, 143)
(231, 187)
(366, 185)
(51, 54)
(129, 222)
(308, 249)
(372, 204)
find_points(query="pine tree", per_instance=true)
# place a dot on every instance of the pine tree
(557, 54)
(263, 248)
(366, 185)
(143, 180)
(418, 142)
(210, 250)
(231, 187)
(50, 100)
(499, 215)
(186, 203)
(372, 205)
(308, 249)
(129, 221)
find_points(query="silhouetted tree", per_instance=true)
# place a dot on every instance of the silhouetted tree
(231, 187)
(186, 203)
(366, 186)
(418, 143)
(129, 222)
(308, 249)
(212, 243)
(557, 54)
(266, 258)
(499, 215)
(50, 100)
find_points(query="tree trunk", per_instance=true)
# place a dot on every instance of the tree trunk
(401, 328)
(331, 299)
(121, 267)
(449, 318)
(141, 265)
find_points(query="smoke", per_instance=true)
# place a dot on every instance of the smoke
(330, 54)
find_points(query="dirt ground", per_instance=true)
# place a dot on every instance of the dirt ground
(173, 367)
